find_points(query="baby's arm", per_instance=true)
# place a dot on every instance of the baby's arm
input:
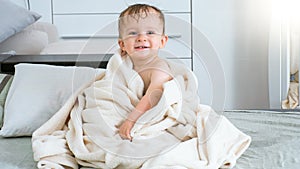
(149, 100)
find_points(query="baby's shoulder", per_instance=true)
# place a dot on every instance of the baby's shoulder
(161, 64)
(161, 70)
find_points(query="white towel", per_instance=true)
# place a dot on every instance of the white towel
(177, 133)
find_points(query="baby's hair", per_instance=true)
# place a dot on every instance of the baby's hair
(138, 11)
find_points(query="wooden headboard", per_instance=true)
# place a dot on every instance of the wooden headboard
(7, 61)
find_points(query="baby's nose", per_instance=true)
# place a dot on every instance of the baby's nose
(141, 37)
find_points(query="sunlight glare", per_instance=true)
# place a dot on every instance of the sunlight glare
(287, 10)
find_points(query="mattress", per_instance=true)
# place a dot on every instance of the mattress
(275, 139)
(275, 142)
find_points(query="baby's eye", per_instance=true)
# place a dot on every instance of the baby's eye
(150, 33)
(132, 33)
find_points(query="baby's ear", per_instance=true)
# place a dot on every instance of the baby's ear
(121, 44)
(164, 40)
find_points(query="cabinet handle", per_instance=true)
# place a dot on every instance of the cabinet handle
(174, 36)
(107, 36)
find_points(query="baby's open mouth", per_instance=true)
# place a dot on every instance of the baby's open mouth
(141, 47)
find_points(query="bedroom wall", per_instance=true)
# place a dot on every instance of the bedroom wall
(239, 31)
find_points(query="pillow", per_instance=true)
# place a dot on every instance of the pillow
(25, 42)
(14, 19)
(37, 92)
(5, 82)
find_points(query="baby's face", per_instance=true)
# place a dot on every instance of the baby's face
(143, 36)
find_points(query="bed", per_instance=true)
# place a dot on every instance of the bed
(275, 138)
(275, 142)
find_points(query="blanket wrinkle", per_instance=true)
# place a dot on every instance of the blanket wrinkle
(178, 132)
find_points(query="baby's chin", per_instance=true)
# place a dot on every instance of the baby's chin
(146, 53)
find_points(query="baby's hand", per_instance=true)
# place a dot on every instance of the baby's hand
(125, 128)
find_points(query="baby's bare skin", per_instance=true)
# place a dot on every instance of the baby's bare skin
(140, 39)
